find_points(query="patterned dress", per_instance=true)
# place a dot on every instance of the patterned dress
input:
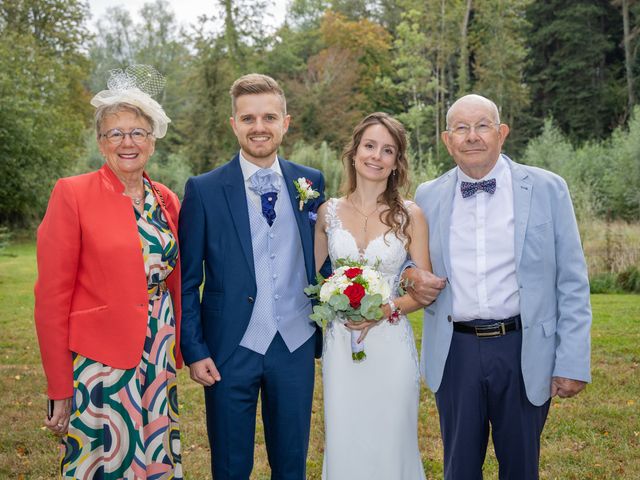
(124, 423)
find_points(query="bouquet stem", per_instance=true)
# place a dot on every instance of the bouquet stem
(357, 349)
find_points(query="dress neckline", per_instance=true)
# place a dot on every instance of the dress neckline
(338, 224)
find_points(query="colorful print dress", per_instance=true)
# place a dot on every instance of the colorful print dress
(124, 423)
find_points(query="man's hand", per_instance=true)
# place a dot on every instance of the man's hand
(204, 372)
(566, 387)
(423, 286)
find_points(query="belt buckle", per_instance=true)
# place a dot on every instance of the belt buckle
(481, 331)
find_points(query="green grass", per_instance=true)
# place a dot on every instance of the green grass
(593, 436)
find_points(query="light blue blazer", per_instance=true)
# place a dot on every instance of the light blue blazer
(551, 273)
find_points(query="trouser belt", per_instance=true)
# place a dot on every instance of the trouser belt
(496, 329)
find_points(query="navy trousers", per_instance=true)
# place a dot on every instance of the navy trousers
(284, 381)
(482, 387)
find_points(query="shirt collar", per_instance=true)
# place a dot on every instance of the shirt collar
(249, 168)
(496, 172)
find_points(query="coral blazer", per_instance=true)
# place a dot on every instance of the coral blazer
(91, 293)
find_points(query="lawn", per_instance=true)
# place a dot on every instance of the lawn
(593, 436)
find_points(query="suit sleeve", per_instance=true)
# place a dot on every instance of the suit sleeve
(192, 235)
(573, 351)
(58, 253)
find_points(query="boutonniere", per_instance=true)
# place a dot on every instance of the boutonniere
(305, 191)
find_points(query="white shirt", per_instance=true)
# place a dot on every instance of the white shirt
(249, 169)
(482, 249)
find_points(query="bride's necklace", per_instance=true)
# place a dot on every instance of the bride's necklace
(365, 215)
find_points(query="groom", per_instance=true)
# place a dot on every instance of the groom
(511, 328)
(247, 233)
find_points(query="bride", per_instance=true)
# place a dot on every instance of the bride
(371, 408)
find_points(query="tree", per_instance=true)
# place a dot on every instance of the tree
(575, 66)
(43, 104)
(325, 101)
(414, 82)
(499, 55)
(370, 44)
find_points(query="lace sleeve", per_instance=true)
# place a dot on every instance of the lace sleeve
(331, 216)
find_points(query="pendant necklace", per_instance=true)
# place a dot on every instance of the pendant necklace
(365, 215)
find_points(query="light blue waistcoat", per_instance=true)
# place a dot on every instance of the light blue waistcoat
(280, 304)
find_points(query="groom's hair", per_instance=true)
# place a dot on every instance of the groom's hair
(254, 84)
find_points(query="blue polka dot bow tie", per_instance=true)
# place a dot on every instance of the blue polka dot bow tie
(266, 184)
(470, 188)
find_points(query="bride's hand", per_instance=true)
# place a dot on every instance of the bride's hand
(363, 327)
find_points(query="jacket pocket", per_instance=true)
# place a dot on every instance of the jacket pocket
(549, 327)
(212, 301)
(88, 310)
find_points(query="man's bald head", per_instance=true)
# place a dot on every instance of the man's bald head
(473, 101)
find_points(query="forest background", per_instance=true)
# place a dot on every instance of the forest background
(564, 75)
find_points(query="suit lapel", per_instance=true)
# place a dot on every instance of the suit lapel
(447, 191)
(237, 203)
(304, 227)
(522, 187)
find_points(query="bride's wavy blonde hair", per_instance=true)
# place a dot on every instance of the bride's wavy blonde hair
(397, 216)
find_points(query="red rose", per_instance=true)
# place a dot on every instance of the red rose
(355, 292)
(352, 272)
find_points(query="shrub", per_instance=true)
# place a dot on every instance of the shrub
(324, 159)
(629, 279)
(604, 283)
(5, 236)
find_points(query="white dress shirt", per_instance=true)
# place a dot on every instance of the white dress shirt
(249, 169)
(482, 249)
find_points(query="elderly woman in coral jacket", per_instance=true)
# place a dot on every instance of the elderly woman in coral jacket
(108, 298)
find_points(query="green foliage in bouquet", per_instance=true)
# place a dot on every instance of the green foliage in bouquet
(339, 304)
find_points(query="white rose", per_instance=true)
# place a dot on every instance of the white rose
(302, 182)
(385, 291)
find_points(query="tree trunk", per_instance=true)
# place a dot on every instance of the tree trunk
(628, 60)
(463, 73)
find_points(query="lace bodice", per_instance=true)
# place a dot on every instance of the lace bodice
(387, 250)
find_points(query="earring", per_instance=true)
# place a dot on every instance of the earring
(394, 171)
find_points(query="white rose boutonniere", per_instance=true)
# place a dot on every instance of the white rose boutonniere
(305, 191)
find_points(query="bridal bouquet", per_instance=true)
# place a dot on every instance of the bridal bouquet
(353, 292)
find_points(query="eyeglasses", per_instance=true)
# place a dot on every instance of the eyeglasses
(482, 128)
(116, 136)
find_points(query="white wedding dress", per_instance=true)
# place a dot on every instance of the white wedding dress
(371, 407)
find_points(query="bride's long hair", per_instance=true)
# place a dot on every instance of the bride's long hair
(397, 216)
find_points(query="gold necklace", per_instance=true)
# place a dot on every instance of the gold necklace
(365, 215)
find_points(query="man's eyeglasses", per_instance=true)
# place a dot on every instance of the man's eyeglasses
(482, 128)
(116, 136)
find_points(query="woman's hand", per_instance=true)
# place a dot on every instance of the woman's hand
(59, 421)
(367, 325)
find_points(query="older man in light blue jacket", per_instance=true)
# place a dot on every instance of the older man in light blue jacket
(512, 327)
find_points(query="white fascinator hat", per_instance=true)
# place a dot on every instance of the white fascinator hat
(135, 85)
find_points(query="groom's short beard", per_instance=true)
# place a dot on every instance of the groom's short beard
(261, 153)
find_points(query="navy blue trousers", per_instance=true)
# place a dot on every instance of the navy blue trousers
(482, 390)
(284, 381)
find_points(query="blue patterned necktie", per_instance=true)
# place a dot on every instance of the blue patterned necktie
(266, 184)
(470, 188)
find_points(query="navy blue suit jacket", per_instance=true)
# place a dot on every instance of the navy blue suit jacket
(214, 231)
